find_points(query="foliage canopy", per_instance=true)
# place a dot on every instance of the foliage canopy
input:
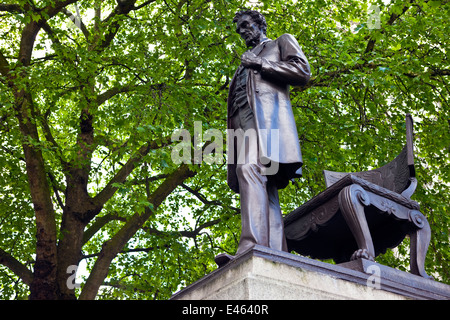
(92, 90)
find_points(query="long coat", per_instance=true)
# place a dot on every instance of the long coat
(283, 64)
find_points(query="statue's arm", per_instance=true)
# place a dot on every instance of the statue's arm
(293, 68)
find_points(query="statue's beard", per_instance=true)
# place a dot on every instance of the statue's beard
(252, 40)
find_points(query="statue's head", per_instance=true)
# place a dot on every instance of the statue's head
(250, 25)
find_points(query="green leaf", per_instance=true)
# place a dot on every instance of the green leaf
(163, 67)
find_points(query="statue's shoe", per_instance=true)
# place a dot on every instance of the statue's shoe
(222, 259)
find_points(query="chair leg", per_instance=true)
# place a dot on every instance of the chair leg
(352, 200)
(420, 239)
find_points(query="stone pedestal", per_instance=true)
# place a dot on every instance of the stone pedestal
(265, 274)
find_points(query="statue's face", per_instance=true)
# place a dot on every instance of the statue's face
(249, 30)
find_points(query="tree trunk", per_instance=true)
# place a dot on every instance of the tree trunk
(69, 252)
(43, 285)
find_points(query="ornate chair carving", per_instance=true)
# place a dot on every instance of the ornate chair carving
(361, 214)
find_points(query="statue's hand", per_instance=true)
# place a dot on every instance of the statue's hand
(251, 60)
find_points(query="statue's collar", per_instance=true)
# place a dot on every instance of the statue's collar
(260, 46)
(262, 42)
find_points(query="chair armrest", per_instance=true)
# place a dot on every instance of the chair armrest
(408, 192)
(388, 194)
(349, 179)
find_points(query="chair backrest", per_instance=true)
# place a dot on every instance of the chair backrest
(394, 176)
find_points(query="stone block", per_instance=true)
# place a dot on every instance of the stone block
(265, 274)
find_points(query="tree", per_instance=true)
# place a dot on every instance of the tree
(92, 91)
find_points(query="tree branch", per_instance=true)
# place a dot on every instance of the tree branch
(203, 199)
(148, 179)
(100, 223)
(319, 81)
(13, 8)
(31, 29)
(108, 94)
(184, 233)
(55, 189)
(108, 191)
(146, 250)
(444, 72)
(52, 10)
(392, 19)
(78, 22)
(146, 3)
(4, 66)
(113, 246)
(49, 137)
(123, 8)
(15, 266)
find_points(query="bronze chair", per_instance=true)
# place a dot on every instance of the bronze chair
(361, 214)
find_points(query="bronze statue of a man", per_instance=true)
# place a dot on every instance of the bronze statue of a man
(258, 103)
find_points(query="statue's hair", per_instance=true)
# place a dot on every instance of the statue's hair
(255, 15)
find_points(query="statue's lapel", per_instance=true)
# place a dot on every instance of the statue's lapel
(259, 48)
